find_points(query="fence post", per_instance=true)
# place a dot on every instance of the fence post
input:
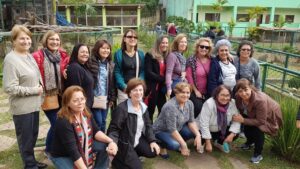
(286, 64)
(264, 76)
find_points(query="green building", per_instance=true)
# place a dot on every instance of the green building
(202, 11)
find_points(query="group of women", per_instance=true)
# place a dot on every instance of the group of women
(194, 98)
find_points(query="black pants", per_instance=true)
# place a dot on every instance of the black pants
(256, 136)
(128, 157)
(217, 136)
(198, 103)
(27, 129)
(158, 99)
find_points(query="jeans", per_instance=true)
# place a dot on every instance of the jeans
(52, 116)
(27, 129)
(100, 163)
(167, 141)
(100, 118)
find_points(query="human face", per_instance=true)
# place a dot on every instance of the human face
(77, 102)
(182, 45)
(245, 51)
(223, 97)
(137, 93)
(164, 45)
(83, 54)
(104, 51)
(223, 53)
(183, 96)
(53, 43)
(203, 48)
(22, 43)
(245, 94)
(130, 39)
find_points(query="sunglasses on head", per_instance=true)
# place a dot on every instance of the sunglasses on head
(203, 46)
(130, 37)
(246, 50)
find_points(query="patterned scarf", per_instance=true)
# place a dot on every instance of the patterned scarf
(84, 140)
(192, 62)
(222, 118)
(52, 74)
(182, 60)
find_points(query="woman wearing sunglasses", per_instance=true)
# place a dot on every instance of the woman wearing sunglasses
(247, 67)
(129, 63)
(197, 69)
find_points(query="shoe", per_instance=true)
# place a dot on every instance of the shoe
(246, 146)
(41, 165)
(256, 159)
(226, 148)
(164, 156)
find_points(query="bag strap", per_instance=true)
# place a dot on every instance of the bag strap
(137, 65)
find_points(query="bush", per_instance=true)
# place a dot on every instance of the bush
(253, 33)
(294, 83)
(287, 142)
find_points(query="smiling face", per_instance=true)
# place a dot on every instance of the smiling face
(53, 43)
(130, 39)
(203, 48)
(245, 94)
(77, 102)
(104, 51)
(183, 96)
(245, 52)
(223, 97)
(22, 43)
(83, 54)
(164, 45)
(182, 45)
(223, 52)
(137, 93)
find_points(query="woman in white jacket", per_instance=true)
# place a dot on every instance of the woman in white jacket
(215, 119)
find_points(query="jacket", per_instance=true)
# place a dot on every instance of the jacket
(152, 74)
(207, 119)
(122, 130)
(262, 112)
(39, 58)
(118, 72)
(214, 76)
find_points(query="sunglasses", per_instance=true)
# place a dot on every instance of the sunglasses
(246, 50)
(206, 47)
(130, 37)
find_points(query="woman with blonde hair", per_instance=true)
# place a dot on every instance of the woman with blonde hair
(23, 83)
(176, 63)
(155, 70)
(52, 61)
(197, 70)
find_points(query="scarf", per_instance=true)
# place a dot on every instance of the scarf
(182, 60)
(52, 72)
(192, 62)
(222, 118)
(84, 140)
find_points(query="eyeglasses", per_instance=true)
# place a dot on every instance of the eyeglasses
(130, 37)
(246, 50)
(206, 47)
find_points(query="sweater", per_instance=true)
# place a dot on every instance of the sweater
(207, 119)
(21, 81)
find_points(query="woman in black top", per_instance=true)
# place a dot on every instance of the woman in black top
(79, 74)
(155, 70)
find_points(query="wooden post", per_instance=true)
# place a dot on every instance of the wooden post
(53, 15)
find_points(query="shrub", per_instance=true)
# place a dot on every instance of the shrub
(287, 142)
(253, 33)
(294, 83)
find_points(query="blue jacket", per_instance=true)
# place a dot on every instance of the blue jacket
(118, 72)
(215, 76)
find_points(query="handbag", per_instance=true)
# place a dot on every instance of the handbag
(100, 102)
(50, 102)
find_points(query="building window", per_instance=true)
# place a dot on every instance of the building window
(242, 18)
(212, 17)
(289, 18)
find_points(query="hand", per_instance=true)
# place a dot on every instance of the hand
(208, 146)
(112, 148)
(40, 90)
(298, 124)
(169, 93)
(238, 118)
(198, 94)
(65, 73)
(230, 57)
(184, 150)
(110, 104)
(155, 147)
(197, 142)
(229, 138)
(183, 75)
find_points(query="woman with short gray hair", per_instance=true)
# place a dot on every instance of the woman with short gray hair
(222, 70)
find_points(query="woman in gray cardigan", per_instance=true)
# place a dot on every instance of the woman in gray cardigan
(215, 118)
(23, 83)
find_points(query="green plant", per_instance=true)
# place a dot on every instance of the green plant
(280, 23)
(218, 7)
(115, 47)
(199, 28)
(294, 82)
(253, 33)
(231, 25)
(255, 12)
(183, 24)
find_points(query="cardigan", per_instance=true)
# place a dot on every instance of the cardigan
(207, 119)
(118, 72)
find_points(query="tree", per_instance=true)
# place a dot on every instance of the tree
(255, 12)
(231, 25)
(218, 7)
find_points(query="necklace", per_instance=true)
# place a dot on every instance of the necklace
(131, 54)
